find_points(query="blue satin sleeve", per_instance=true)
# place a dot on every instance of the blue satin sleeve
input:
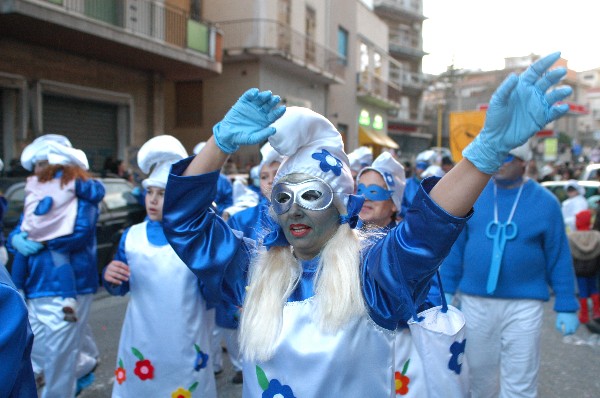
(90, 190)
(218, 255)
(398, 267)
(224, 197)
(123, 288)
(16, 339)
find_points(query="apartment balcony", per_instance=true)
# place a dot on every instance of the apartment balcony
(141, 34)
(399, 11)
(406, 48)
(412, 83)
(374, 90)
(279, 44)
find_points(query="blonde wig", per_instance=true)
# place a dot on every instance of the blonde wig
(275, 274)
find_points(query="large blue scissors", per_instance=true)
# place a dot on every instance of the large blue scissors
(499, 233)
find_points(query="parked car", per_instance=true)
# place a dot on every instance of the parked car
(558, 188)
(118, 210)
(590, 172)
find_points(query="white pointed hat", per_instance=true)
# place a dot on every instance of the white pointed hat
(392, 173)
(54, 148)
(360, 158)
(268, 155)
(156, 157)
(311, 145)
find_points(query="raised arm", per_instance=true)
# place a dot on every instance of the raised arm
(518, 109)
(246, 123)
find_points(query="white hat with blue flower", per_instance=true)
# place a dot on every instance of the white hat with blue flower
(392, 173)
(312, 145)
(360, 158)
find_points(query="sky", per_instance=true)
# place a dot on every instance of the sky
(479, 34)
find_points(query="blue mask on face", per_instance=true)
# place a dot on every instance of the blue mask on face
(374, 192)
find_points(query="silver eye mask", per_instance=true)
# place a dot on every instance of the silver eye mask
(313, 194)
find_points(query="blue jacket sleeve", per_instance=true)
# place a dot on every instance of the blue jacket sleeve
(18, 270)
(451, 270)
(90, 190)
(224, 198)
(206, 244)
(398, 268)
(16, 374)
(122, 289)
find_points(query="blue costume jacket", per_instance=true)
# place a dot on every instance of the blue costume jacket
(16, 339)
(410, 190)
(396, 269)
(41, 280)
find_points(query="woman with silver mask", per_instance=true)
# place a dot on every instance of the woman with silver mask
(320, 304)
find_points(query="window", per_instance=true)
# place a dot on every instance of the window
(342, 46)
(378, 122)
(364, 57)
(377, 64)
(188, 111)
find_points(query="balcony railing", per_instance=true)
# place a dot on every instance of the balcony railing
(407, 79)
(150, 19)
(378, 90)
(272, 37)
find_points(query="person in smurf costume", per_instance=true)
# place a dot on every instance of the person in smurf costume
(165, 336)
(358, 159)
(320, 304)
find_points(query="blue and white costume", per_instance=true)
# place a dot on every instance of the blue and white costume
(164, 321)
(308, 361)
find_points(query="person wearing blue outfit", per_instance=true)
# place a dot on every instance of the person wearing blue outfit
(165, 338)
(16, 339)
(224, 198)
(58, 343)
(320, 305)
(412, 186)
(510, 253)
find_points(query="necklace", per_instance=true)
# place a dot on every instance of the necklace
(500, 233)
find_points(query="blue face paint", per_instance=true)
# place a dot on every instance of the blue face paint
(374, 192)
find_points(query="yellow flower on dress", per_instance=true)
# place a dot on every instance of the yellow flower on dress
(181, 393)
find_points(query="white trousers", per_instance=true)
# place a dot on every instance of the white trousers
(88, 351)
(230, 337)
(55, 346)
(503, 346)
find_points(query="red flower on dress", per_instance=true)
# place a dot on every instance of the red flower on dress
(120, 373)
(401, 383)
(144, 369)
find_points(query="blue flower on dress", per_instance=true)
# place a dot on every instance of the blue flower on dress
(456, 349)
(201, 359)
(275, 389)
(328, 162)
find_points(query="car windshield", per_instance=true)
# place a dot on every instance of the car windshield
(118, 194)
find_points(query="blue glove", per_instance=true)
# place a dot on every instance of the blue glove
(567, 322)
(25, 246)
(248, 120)
(518, 109)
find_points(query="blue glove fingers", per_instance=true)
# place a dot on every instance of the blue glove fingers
(503, 92)
(558, 94)
(259, 136)
(276, 113)
(249, 95)
(538, 68)
(264, 97)
(550, 79)
(272, 103)
(557, 111)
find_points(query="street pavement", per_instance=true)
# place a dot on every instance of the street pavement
(570, 366)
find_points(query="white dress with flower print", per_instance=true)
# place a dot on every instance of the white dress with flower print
(164, 345)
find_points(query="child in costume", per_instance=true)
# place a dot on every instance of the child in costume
(57, 349)
(165, 336)
(51, 205)
(320, 305)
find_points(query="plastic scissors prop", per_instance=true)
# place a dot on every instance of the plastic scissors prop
(499, 233)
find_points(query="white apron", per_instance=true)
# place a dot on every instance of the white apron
(408, 365)
(165, 340)
(355, 362)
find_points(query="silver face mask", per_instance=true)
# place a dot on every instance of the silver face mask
(312, 194)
